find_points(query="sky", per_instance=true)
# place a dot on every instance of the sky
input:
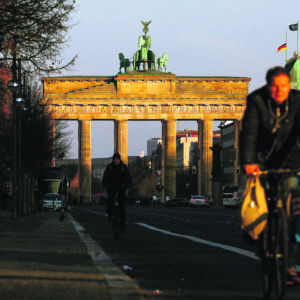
(202, 38)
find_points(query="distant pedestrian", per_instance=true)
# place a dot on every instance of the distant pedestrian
(154, 200)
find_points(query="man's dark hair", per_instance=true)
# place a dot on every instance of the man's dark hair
(276, 71)
(116, 155)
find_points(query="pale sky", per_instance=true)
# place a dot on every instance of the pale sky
(202, 38)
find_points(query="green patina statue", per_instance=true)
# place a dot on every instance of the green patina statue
(162, 62)
(124, 63)
(144, 56)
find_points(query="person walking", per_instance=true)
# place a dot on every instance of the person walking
(117, 178)
(270, 139)
(154, 200)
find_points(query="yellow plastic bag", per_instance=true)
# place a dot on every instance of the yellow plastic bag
(254, 209)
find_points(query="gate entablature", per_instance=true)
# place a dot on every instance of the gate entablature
(144, 85)
(146, 96)
(141, 111)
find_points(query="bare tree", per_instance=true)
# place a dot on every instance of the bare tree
(34, 33)
(35, 30)
(62, 140)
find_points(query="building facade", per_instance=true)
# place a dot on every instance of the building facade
(152, 145)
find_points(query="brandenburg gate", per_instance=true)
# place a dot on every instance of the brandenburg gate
(147, 94)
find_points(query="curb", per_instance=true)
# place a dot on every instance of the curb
(119, 284)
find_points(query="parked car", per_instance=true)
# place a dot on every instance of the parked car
(177, 202)
(199, 201)
(232, 199)
(52, 201)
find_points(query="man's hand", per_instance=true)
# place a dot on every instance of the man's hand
(251, 169)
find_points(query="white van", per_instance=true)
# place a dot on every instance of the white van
(232, 199)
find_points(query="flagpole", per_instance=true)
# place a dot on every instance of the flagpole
(286, 46)
(297, 39)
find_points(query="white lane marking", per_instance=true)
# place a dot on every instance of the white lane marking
(195, 239)
(201, 241)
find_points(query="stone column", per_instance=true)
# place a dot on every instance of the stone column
(236, 152)
(205, 165)
(163, 156)
(170, 157)
(199, 157)
(84, 153)
(53, 161)
(121, 139)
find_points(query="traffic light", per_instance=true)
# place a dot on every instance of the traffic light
(159, 187)
(194, 171)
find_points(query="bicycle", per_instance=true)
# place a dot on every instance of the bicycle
(274, 241)
(62, 212)
(116, 209)
(115, 221)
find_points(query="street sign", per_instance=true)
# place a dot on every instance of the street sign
(158, 173)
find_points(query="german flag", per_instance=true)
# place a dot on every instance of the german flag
(282, 47)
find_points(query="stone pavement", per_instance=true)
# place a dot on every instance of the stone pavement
(43, 258)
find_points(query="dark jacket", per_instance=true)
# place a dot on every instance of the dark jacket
(265, 141)
(116, 176)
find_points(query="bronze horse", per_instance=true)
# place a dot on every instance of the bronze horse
(124, 63)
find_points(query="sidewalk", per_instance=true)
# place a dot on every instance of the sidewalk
(43, 258)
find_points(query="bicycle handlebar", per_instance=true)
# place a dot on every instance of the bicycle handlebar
(278, 171)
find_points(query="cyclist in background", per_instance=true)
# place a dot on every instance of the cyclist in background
(270, 139)
(116, 178)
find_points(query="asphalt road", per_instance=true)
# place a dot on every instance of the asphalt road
(181, 253)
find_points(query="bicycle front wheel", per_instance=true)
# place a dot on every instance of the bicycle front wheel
(274, 255)
(280, 252)
(117, 230)
(266, 259)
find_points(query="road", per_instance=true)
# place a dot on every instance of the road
(181, 253)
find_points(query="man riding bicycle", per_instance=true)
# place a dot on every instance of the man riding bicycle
(270, 139)
(116, 178)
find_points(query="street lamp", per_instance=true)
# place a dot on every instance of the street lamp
(15, 87)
